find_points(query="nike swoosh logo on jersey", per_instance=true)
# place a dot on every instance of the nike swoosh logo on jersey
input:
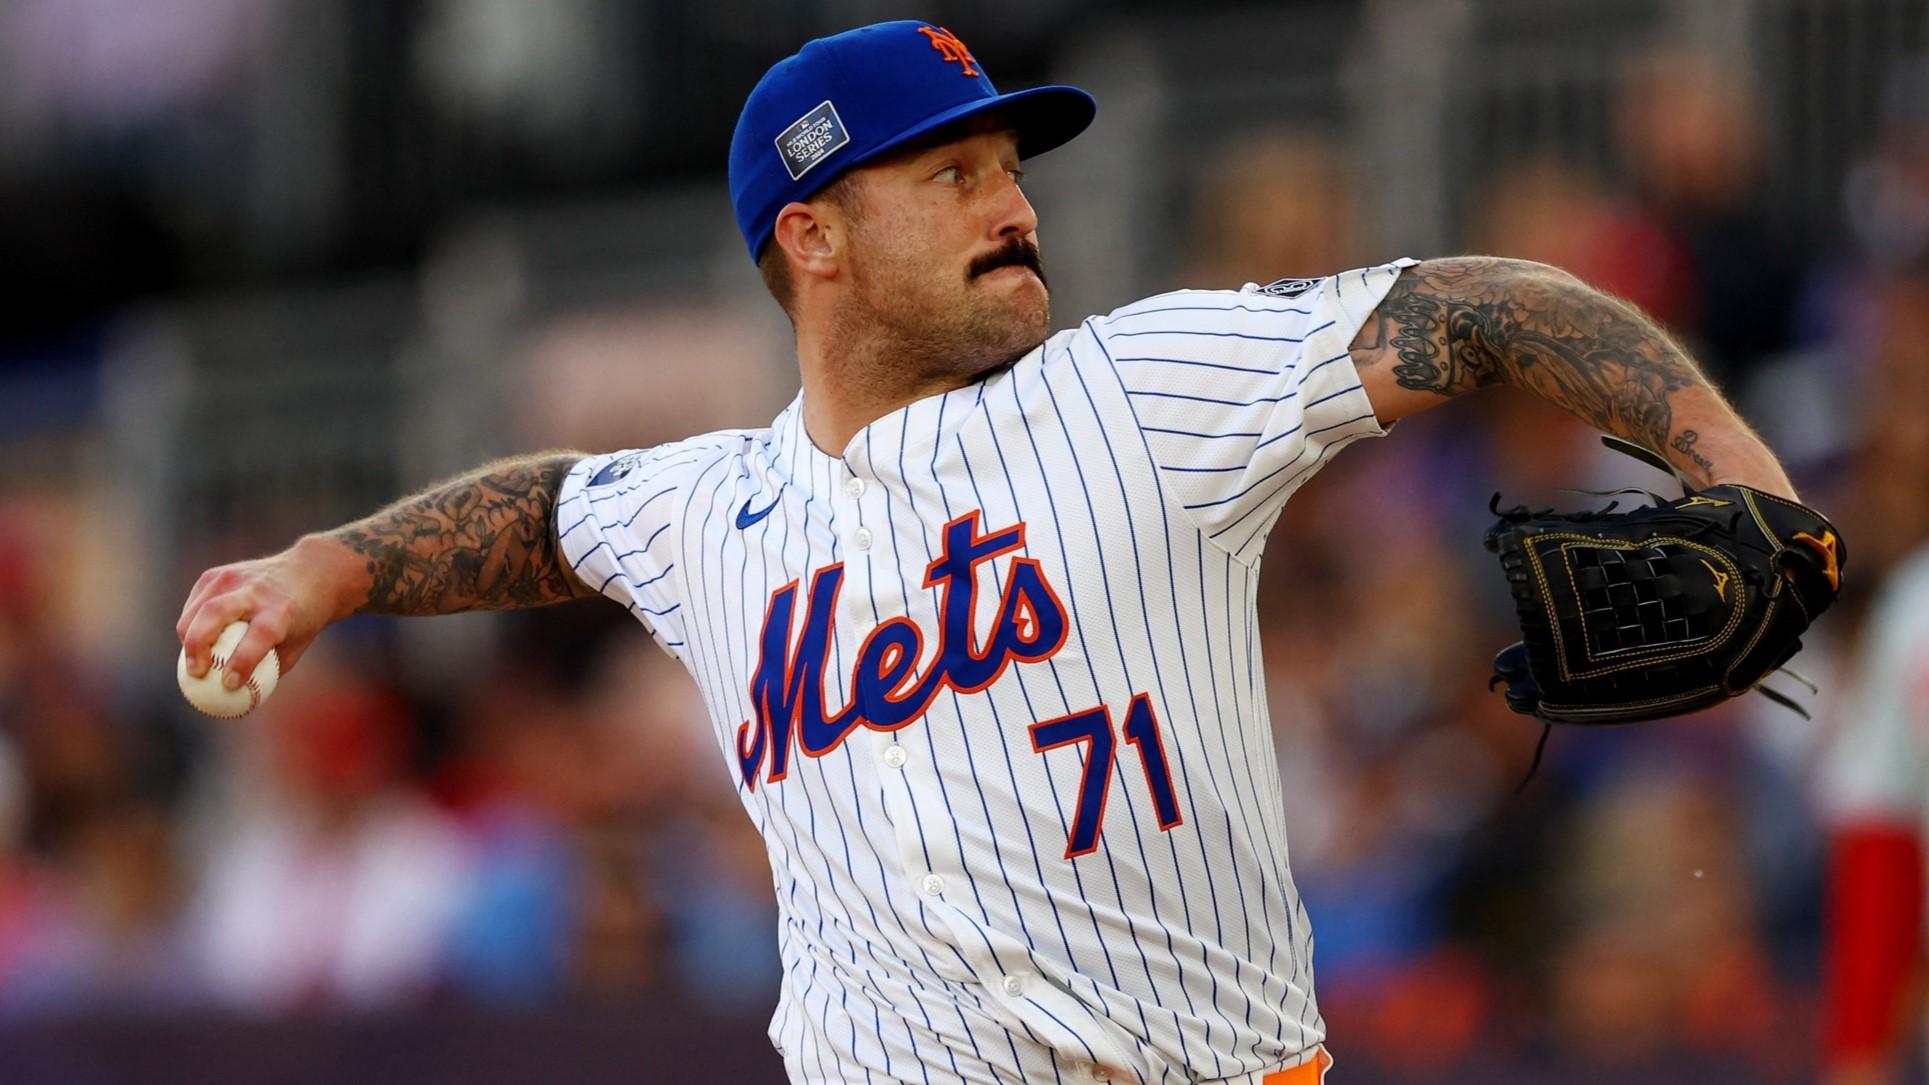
(745, 517)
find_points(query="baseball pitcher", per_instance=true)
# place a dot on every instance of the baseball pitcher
(974, 616)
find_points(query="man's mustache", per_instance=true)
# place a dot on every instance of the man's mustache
(1017, 253)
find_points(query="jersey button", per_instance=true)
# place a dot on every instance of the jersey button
(895, 756)
(862, 537)
(854, 486)
(932, 885)
(1100, 1073)
(1014, 984)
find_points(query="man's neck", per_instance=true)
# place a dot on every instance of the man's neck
(847, 386)
(835, 412)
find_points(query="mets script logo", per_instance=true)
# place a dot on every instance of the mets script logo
(787, 691)
(947, 43)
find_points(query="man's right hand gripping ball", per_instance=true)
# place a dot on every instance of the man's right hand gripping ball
(286, 599)
(1660, 610)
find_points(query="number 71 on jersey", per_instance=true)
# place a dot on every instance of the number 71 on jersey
(1094, 727)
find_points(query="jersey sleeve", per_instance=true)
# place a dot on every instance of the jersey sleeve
(614, 519)
(1243, 394)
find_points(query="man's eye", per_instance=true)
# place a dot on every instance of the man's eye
(950, 175)
(1017, 176)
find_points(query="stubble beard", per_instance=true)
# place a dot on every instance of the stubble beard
(898, 332)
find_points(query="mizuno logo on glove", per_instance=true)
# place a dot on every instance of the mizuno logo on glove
(1824, 547)
(1721, 578)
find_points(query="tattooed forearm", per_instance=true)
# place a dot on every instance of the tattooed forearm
(1450, 326)
(1463, 323)
(1685, 444)
(485, 541)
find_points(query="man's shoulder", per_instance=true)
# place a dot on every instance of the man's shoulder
(671, 464)
(1201, 310)
(1250, 298)
(1292, 297)
(1191, 306)
(694, 454)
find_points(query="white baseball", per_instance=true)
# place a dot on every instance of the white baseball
(210, 695)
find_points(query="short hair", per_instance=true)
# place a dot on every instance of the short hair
(772, 264)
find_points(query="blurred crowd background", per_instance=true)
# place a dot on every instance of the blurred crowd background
(270, 264)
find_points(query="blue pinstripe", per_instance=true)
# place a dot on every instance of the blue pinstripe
(1130, 311)
(1229, 335)
(1187, 363)
(1221, 402)
(1207, 436)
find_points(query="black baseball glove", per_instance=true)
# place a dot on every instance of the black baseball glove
(1660, 610)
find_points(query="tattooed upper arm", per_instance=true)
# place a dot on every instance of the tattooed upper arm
(485, 541)
(1453, 325)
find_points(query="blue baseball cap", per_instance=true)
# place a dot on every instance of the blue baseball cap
(849, 98)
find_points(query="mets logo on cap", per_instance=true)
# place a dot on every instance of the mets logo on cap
(948, 46)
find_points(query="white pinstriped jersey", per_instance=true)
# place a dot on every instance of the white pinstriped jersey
(989, 684)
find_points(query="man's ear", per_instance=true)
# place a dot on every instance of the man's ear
(813, 243)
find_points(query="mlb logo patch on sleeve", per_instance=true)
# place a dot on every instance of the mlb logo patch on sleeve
(1287, 288)
(619, 468)
(811, 139)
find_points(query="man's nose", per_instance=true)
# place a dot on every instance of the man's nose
(1014, 214)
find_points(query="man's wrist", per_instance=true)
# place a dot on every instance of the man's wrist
(342, 573)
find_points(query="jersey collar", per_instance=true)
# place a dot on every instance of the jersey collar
(908, 436)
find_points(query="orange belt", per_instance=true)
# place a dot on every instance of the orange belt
(1311, 1072)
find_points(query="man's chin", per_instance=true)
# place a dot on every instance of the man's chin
(1008, 339)
(1029, 299)
(1028, 335)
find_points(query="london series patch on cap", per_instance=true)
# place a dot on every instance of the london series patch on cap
(812, 139)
